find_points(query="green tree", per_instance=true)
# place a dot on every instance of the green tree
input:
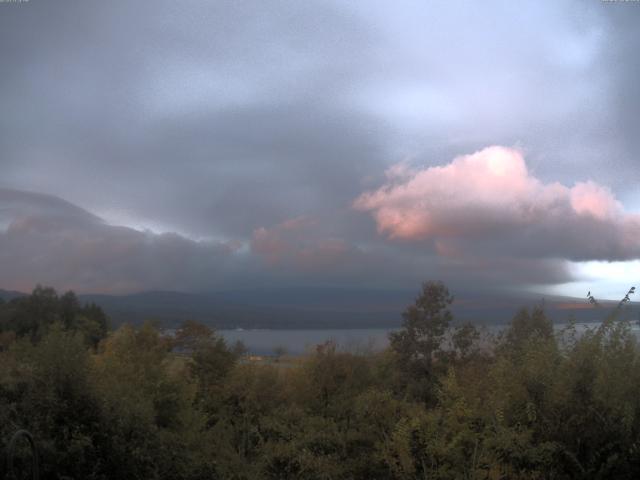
(418, 345)
(46, 388)
(210, 361)
(464, 341)
(151, 429)
(526, 326)
(32, 315)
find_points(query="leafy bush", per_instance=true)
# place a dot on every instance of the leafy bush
(440, 403)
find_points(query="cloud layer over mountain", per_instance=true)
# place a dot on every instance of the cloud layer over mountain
(199, 146)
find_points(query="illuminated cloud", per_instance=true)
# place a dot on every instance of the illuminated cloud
(489, 202)
(295, 243)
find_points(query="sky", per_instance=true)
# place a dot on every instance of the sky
(202, 146)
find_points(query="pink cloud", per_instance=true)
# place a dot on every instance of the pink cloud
(296, 242)
(489, 200)
(589, 198)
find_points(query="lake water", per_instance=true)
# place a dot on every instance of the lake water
(265, 341)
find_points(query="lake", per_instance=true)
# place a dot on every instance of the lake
(264, 341)
(298, 341)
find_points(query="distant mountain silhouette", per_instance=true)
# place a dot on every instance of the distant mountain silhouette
(320, 307)
(9, 294)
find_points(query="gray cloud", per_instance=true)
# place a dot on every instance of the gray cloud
(47, 240)
(201, 119)
(217, 120)
(622, 64)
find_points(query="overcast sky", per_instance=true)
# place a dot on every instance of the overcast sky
(202, 146)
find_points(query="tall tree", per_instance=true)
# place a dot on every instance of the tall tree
(419, 343)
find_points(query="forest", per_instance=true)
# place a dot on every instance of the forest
(443, 401)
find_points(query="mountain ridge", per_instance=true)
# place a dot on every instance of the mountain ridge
(325, 307)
